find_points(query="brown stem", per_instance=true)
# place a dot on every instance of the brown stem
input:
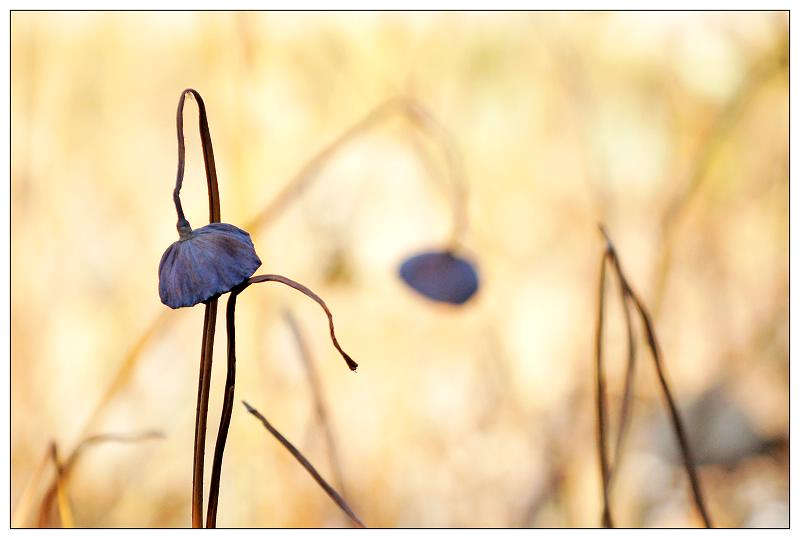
(210, 319)
(652, 342)
(630, 372)
(329, 490)
(208, 160)
(601, 394)
(310, 293)
(227, 410)
(201, 414)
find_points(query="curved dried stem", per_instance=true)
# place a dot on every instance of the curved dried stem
(208, 159)
(310, 293)
(329, 490)
(422, 118)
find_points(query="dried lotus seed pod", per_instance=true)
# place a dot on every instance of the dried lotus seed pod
(204, 263)
(441, 276)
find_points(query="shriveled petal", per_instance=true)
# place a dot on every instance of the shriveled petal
(209, 261)
(441, 276)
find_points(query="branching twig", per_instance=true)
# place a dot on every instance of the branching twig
(307, 465)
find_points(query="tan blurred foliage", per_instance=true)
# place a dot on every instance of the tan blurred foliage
(672, 128)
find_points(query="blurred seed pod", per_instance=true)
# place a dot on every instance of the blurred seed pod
(204, 263)
(441, 276)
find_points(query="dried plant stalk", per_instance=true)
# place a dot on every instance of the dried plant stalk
(600, 394)
(329, 490)
(320, 409)
(227, 411)
(630, 373)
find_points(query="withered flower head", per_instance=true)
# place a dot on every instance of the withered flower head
(211, 260)
(204, 263)
(441, 276)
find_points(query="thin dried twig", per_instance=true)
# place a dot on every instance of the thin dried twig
(329, 490)
(655, 351)
(319, 402)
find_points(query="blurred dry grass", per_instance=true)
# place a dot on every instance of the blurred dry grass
(474, 417)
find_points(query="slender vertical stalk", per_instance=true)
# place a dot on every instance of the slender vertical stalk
(227, 410)
(210, 319)
(601, 394)
(201, 414)
(630, 374)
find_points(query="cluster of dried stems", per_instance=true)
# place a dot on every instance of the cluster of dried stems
(207, 346)
(630, 299)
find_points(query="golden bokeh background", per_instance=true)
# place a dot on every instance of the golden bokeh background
(671, 128)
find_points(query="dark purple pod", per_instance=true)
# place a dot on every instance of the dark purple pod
(204, 263)
(440, 276)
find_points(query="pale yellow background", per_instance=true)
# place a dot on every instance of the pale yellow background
(456, 417)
